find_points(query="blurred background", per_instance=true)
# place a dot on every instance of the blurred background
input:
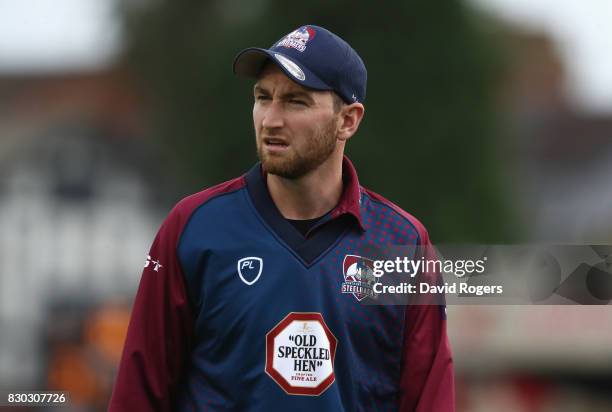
(489, 120)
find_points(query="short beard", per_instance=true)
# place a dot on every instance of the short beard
(298, 165)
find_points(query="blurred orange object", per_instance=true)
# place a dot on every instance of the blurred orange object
(70, 371)
(106, 328)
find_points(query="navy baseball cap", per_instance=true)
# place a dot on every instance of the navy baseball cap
(313, 57)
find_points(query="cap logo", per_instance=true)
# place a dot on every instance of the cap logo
(291, 67)
(297, 39)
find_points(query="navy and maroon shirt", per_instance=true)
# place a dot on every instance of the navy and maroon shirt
(238, 311)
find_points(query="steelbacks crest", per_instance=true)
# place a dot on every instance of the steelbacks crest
(297, 39)
(359, 277)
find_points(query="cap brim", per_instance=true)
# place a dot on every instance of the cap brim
(250, 62)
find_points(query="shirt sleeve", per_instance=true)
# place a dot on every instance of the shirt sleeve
(160, 333)
(427, 380)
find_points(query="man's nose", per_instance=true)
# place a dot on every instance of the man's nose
(273, 116)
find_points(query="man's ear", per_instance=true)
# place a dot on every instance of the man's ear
(350, 118)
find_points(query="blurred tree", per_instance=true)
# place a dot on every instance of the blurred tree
(428, 141)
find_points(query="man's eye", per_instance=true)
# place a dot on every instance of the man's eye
(262, 97)
(298, 102)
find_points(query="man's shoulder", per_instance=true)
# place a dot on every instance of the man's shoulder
(391, 207)
(183, 210)
(191, 202)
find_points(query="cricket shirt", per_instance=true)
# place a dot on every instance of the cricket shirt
(239, 311)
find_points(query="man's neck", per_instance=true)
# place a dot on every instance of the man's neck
(309, 196)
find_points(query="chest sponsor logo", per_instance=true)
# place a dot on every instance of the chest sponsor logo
(300, 354)
(249, 269)
(359, 276)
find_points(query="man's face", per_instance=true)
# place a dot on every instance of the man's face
(295, 127)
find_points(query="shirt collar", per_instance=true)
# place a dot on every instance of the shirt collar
(350, 200)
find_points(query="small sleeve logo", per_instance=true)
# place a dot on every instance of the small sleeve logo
(153, 263)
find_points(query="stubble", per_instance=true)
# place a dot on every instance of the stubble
(298, 163)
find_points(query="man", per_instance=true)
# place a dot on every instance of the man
(250, 296)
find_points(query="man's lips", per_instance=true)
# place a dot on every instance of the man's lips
(274, 142)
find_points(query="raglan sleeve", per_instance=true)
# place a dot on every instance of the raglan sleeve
(427, 377)
(160, 332)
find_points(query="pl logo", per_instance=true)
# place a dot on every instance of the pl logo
(249, 269)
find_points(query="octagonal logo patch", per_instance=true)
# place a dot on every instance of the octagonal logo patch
(300, 353)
